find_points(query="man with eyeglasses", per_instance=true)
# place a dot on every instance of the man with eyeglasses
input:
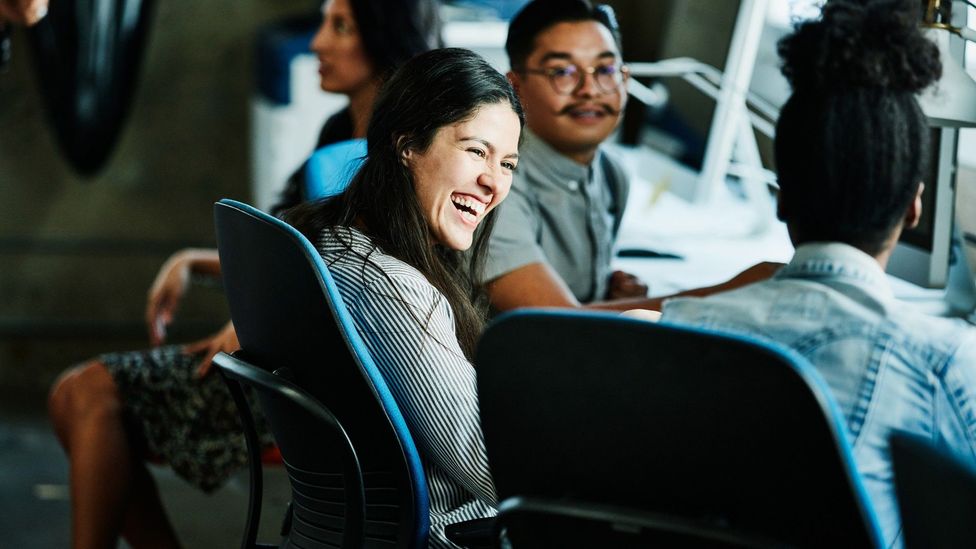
(553, 239)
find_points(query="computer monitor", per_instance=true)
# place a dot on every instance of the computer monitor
(702, 130)
(922, 254)
(925, 255)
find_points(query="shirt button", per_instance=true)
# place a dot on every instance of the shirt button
(573, 185)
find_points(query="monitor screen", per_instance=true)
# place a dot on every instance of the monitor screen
(705, 30)
(921, 236)
(922, 254)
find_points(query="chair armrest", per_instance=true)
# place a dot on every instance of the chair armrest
(473, 534)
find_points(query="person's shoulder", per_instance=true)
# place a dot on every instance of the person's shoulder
(611, 155)
(613, 164)
(337, 127)
(731, 304)
(527, 176)
(347, 249)
(946, 335)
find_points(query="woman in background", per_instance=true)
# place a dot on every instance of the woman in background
(442, 147)
(113, 412)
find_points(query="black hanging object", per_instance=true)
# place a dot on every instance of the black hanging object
(4, 46)
(87, 55)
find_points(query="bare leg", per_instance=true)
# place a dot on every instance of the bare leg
(111, 490)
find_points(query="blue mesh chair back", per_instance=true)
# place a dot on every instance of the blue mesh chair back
(330, 168)
(288, 313)
(623, 430)
(936, 494)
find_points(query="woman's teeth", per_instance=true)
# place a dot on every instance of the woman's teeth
(470, 209)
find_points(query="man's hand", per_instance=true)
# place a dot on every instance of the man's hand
(643, 314)
(22, 12)
(624, 285)
(225, 340)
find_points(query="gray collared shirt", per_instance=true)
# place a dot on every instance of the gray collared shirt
(561, 213)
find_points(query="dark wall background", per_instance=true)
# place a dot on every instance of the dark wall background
(78, 255)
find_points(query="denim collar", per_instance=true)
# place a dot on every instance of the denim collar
(843, 263)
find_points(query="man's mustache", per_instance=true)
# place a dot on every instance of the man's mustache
(599, 106)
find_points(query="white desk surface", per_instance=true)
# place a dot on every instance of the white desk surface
(716, 241)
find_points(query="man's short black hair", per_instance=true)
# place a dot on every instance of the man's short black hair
(539, 15)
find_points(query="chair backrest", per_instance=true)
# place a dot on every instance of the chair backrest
(323, 470)
(288, 313)
(330, 168)
(936, 494)
(726, 432)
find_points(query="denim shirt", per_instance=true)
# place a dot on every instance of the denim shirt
(890, 368)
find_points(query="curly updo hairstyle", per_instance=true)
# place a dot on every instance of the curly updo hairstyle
(851, 142)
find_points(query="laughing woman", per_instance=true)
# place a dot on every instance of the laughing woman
(442, 146)
(111, 412)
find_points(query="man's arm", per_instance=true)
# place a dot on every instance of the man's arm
(532, 285)
(538, 285)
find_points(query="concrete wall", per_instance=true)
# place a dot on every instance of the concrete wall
(78, 255)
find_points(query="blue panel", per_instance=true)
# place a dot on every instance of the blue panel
(276, 46)
(331, 168)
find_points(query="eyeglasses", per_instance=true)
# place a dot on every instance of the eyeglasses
(567, 79)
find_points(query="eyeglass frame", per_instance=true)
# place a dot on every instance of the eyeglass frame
(550, 74)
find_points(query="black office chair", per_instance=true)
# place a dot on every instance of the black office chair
(612, 432)
(936, 494)
(287, 314)
(327, 485)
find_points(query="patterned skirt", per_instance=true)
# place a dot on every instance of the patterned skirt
(190, 423)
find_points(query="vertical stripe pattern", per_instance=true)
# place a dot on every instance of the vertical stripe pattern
(408, 327)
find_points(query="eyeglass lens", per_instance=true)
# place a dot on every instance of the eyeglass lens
(568, 78)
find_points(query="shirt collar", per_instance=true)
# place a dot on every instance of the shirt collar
(558, 168)
(840, 262)
(344, 238)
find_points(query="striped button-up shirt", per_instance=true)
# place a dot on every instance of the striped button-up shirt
(408, 327)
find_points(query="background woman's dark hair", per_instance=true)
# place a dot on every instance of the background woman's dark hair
(392, 33)
(395, 31)
(539, 15)
(433, 90)
(851, 142)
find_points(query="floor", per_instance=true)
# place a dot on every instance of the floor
(34, 511)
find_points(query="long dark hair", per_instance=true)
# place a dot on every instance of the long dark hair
(851, 142)
(433, 90)
(394, 32)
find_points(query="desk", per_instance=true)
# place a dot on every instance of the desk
(717, 241)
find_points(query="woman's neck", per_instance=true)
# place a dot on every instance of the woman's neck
(361, 108)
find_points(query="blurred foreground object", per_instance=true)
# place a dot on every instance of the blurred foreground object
(22, 12)
(87, 55)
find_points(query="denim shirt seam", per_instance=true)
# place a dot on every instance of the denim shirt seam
(941, 372)
(806, 345)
